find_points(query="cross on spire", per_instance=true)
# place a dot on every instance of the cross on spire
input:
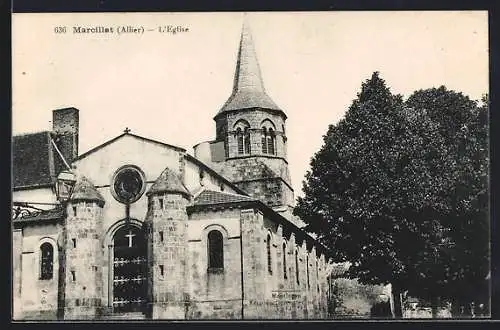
(127, 130)
(130, 236)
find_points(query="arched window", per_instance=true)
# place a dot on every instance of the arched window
(246, 137)
(239, 137)
(215, 251)
(269, 258)
(271, 139)
(264, 140)
(243, 139)
(226, 146)
(284, 262)
(297, 266)
(46, 261)
(268, 137)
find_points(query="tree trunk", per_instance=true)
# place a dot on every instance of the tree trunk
(435, 301)
(398, 302)
(455, 307)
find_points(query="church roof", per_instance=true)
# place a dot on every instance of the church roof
(217, 199)
(127, 133)
(32, 160)
(42, 216)
(84, 190)
(211, 197)
(248, 87)
(168, 181)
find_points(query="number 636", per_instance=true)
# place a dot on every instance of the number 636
(60, 29)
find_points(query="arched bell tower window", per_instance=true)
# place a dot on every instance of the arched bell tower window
(246, 138)
(264, 140)
(243, 137)
(271, 142)
(268, 137)
(46, 261)
(239, 137)
(215, 251)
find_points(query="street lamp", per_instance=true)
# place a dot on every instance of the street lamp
(64, 186)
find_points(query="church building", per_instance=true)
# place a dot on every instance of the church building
(139, 229)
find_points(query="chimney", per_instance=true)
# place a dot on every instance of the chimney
(65, 125)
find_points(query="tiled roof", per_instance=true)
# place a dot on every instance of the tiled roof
(210, 197)
(85, 191)
(45, 215)
(247, 99)
(248, 87)
(207, 198)
(168, 181)
(32, 160)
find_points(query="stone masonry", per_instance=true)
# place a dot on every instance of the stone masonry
(83, 253)
(168, 270)
(270, 268)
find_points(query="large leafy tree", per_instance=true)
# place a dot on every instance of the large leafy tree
(399, 189)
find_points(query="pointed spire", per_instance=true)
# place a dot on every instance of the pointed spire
(248, 86)
(247, 75)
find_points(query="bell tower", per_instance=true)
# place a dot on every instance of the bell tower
(251, 129)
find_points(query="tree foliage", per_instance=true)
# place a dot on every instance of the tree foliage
(400, 190)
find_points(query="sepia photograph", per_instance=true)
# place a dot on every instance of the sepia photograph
(250, 166)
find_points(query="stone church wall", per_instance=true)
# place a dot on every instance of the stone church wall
(101, 165)
(114, 211)
(271, 191)
(38, 297)
(214, 295)
(210, 295)
(196, 177)
(268, 294)
(167, 255)
(17, 248)
(261, 178)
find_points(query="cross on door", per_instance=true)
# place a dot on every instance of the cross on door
(130, 236)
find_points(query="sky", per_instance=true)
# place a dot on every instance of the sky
(168, 87)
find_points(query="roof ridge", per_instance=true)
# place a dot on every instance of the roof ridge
(32, 133)
(108, 142)
(228, 193)
(214, 197)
